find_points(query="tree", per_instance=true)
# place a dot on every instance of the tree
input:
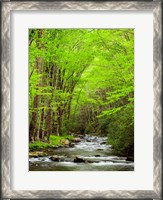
(80, 80)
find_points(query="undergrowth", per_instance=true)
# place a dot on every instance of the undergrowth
(55, 141)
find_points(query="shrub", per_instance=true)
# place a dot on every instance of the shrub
(121, 131)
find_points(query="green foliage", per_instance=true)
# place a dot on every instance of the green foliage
(109, 112)
(121, 131)
(39, 145)
(81, 81)
(55, 141)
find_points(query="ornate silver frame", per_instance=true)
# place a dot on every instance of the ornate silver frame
(8, 6)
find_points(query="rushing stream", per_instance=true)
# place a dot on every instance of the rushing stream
(92, 151)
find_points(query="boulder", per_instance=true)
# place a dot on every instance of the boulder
(66, 142)
(55, 158)
(81, 136)
(77, 139)
(79, 160)
(97, 156)
(99, 149)
(71, 144)
(103, 143)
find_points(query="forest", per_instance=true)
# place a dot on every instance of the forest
(81, 82)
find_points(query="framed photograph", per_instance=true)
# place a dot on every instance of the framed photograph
(81, 109)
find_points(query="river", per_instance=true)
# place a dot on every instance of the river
(93, 154)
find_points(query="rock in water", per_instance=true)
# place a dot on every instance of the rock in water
(99, 149)
(97, 155)
(66, 142)
(72, 144)
(79, 160)
(81, 136)
(77, 140)
(55, 158)
(103, 143)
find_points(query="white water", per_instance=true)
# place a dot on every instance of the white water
(92, 149)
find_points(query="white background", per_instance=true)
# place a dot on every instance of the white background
(139, 179)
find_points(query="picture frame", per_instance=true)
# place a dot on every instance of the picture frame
(6, 179)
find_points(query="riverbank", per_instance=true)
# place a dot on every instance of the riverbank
(44, 148)
(92, 153)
